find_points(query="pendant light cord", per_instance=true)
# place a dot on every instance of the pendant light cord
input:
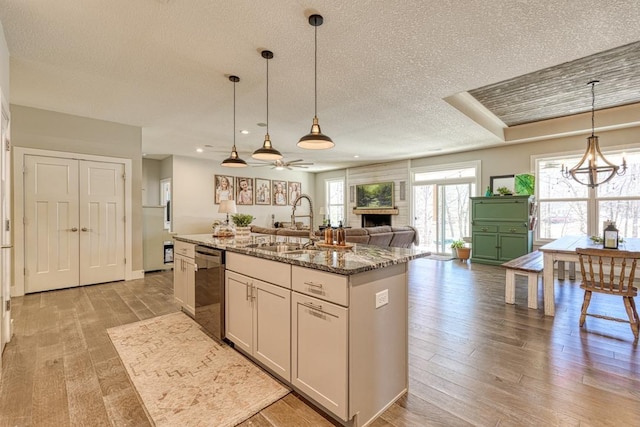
(267, 95)
(315, 72)
(234, 116)
(593, 107)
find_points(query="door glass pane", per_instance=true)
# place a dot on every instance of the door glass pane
(559, 219)
(454, 205)
(424, 203)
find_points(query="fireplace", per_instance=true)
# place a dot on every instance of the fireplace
(373, 220)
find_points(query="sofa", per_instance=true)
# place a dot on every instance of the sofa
(383, 235)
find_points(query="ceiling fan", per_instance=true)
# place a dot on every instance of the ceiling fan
(281, 164)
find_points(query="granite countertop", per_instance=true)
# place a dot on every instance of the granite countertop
(356, 260)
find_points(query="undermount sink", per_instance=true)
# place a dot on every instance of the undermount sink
(288, 248)
(303, 251)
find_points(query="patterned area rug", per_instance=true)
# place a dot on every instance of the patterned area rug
(186, 379)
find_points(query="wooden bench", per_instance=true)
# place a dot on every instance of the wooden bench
(529, 265)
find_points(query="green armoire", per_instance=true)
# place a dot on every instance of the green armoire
(501, 228)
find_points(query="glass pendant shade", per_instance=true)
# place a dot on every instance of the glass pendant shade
(234, 161)
(315, 139)
(267, 152)
(593, 168)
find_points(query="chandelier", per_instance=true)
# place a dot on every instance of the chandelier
(593, 169)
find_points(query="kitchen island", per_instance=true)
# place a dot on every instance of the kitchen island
(332, 324)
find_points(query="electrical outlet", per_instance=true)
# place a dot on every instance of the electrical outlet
(382, 298)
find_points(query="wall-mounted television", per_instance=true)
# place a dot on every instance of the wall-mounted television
(374, 196)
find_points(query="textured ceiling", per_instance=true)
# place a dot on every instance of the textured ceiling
(384, 68)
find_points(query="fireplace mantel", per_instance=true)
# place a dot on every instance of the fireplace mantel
(387, 211)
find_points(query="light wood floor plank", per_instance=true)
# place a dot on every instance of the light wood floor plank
(474, 360)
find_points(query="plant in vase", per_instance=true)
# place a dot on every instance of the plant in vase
(460, 250)
(242, 221)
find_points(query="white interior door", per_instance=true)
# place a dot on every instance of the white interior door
(74, 222)
(51, 223)
(101, 222)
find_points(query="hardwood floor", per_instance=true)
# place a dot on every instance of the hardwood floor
(474, 360)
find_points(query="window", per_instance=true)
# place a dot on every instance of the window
(568, 207)
(441, 203)
(334, 189)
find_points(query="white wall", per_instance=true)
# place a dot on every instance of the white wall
(4, 65)
(504, 160)
(49, 130)
(193, 204)
(151, 171)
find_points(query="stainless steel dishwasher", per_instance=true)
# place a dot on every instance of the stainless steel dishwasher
(210, 290)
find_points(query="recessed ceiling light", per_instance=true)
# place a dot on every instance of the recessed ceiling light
(356, 156)
(244, 132)
(199, 150)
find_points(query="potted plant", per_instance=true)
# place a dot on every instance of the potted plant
(242, 221)
(504, 191)
(460, 250)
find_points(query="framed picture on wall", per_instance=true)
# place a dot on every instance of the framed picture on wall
(505, 182)
(223, 188)
(244, 191)
(263, 191)
(279, 193)
(295, 189)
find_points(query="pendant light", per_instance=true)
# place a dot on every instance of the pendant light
(234, 161)
(593, 164)
(267, 152)
(315, 140)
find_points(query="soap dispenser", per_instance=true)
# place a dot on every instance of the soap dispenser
(328, 234)
(340, 235)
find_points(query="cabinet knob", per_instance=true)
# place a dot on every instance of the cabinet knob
(74, 229)
(484, 228)
(513, 230)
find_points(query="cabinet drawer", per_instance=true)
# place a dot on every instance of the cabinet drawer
(485, 228)
(269, 271)
(518, 229)
(326, 286)
(185, 249)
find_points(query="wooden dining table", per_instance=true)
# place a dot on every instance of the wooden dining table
(564, 250)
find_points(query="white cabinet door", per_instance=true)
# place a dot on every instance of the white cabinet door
(179, 279)
(272, 327)
(184, 283)
(319, 351)
(239, 311)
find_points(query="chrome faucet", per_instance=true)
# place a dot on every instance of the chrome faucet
(312, 236)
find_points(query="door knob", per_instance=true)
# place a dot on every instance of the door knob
(85, 229)
(74, 229)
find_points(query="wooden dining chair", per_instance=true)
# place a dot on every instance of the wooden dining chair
(612, 272)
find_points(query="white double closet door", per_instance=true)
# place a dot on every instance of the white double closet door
(74, 222)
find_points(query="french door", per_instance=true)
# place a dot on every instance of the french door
(74, 222)
(440, 204)
(441, 214)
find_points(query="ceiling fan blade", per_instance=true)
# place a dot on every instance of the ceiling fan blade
(294, 161)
